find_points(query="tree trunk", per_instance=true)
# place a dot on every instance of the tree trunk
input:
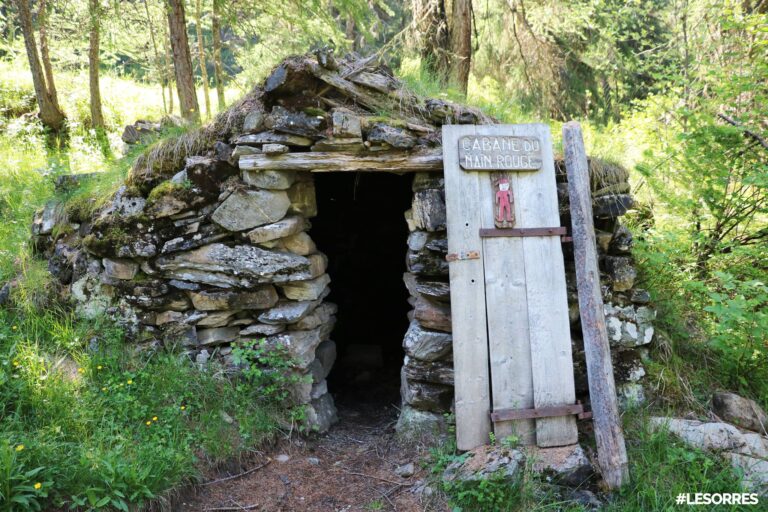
(42, 16)
(168, 70)
(461, 43)
(50, 114)
(217, 67)
(161, 70)
(182, 61)
(97, 119)
(201, 56)
(430, 28)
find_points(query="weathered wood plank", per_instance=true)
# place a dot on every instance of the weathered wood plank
(551, 358)
(397, 162)
(470, 339)
(611, 450)
(507, 306)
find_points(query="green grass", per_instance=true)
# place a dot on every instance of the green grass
(107, 426)
(85, 420)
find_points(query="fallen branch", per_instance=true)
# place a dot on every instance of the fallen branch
(234, 477)
(401, 484)
(222, 509)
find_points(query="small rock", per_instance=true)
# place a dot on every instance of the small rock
(321, 413)
(217, 335)
(306, 290)
(621, 242)
(313, 461)
(586, 499)
(395, 137)
(406, 470)
(740, 411)
(274, 149)
(280, 229)
(426, 345)
(429, 211)
(486, 461)
(253, 121)
(271, 180)
(120, 269)
(621, 271)
(261, 330)
(639, 296)
(345, 123)
(300, 243)
(303, 199)
(283, 458)
(433, 315)
(287, 312)
(243, 151)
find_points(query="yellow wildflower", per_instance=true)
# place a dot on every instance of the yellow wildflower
(130, 381)
(103, 389)
(38, 485)
(19, 447)
(80, 370)
(154, 418)
(99, 367)
(14, 327)
(183, 407)
(149, 423)
(15, 363)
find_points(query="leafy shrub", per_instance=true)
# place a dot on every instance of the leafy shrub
(740, 331)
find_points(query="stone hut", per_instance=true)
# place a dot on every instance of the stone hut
(312, 214)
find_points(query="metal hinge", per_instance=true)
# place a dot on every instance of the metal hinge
(464, 255)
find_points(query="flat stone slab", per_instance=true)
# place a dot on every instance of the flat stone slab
(287, 312)
(217, 335)
(261, 298)
(238, 265)
(257, 139)
(280, 229)
(246, 209)
(426, 345)
(306, 290)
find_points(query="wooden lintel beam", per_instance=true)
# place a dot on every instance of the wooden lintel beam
(396, 162)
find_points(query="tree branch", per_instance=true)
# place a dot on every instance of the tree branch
(760, 140)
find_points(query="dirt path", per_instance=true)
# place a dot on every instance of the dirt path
(352, 468)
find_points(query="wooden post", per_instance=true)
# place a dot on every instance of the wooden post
(611, 451)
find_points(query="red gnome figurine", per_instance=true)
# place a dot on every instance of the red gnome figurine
(503, 200)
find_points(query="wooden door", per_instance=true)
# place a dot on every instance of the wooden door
(511, 334)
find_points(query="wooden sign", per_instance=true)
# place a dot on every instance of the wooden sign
(499, 153)
(511, 332)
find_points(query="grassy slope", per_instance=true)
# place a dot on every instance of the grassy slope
(83, 420)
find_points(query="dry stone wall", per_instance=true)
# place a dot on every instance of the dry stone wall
(209, 246)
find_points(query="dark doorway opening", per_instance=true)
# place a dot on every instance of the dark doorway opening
(361, 228)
